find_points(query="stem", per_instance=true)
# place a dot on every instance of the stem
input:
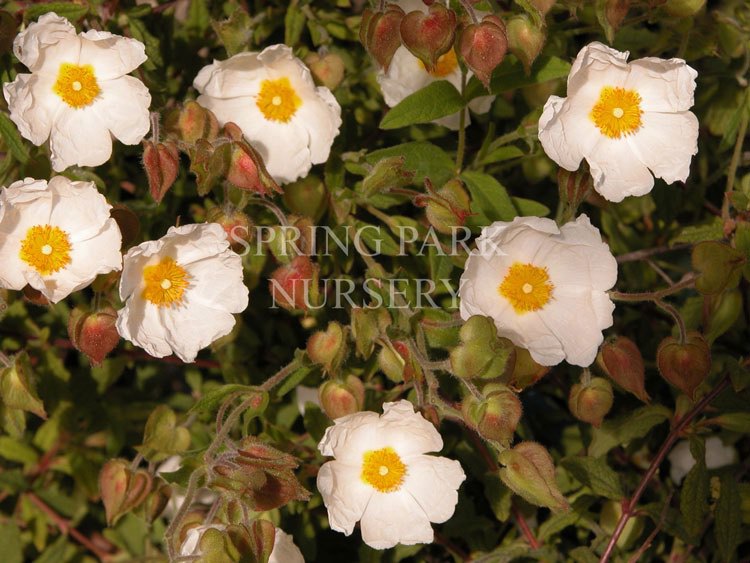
(280, 376)
(64, 526)
(5, 361)
(654, 295)
(677, 318)
(280, 215)
(646, 252)
(461, 127)
(628, 507)
(174, 525)
(221, 435)
(524, 527)
(154, 117)
(734, 163)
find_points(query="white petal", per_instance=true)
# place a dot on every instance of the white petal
(597, 65)
(719, 455)
(123, 109)
(392, 518)
(79, 137)
(32, 105)
(406, 431)
(666, 143)
(433, 482)
(216, 283)
(321, 116)
(664, 85)
(78, 208)
(240, 75)
(48, 31)
(344, 494)
(350, 437)
(11, 273)
(406, 74)
(617, 171)
(284, 550)
(139, 323)
(111, 55)
(566, 132)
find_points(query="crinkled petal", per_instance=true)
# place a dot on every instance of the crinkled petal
(666, 144)
(33, 106)
(139, 323)
(123, 109)
(566, 132)
(78, 137)
(112, 56)
(597, 65)
(344, 494)
(433, 482)
(663, 85)
(42, 37)
(392, 518)
(617, 171)
(349, 437)
(406, 431)
(284, 549)
(216, 283)
(321, 116)
(240, 75)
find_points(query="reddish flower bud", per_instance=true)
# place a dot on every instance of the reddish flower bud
(483, 46)
(574, 186)
(193, 122)
(615, 11)
(496, 418)
(590, 402)
(397, 363)
(162, 164)
(429, 35)
(122, 489)
(327, 348)
(327, 70)
(379, 33)
(237, 225)
(621, 360)
(525, 40)
(340, 399)
(307, 197)
(543, 6)
(526, 371)
(447, 207)
(684, 365)
(94, 334)
(246, 169)
(294, 286)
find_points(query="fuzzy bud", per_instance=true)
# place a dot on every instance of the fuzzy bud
(18, 387)
(379, 33)
(327, 348)
(483, 46)
(94, 334)
(526, 371)
(367, 325)
(237, 225)
(162, 164)
(621, 360)
(388, 173)
(447, 207)
(525, 40)
(122, 489)
(429, 35)
(327, 70)
(481, 353)
(684, 365)
(496, 418)
(574, 186)
(340, 399)
(590, 402)
(307, 197)
(193, 122)
(530, 473)
(294, 285)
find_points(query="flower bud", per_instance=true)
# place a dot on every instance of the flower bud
(379, 33)
(388, 173)
(526, 371)
(193, 122)
(236, 224)
(684, 365)
(683, 8)
(481, 353)
(327, 70)
(156, 502)
(543, 6)
(18, 388)
(621, 360)
(162, 164)
(574, 186)
(590, 402)
(447, 207)
(427, 36)
(94, 334)
(610, 516)
(246, 169)
(367, 325)
(294, 286)
(35, 296)
(530, 473)
(340, 399)
(483, 46)
(614, 12)
(525, 40)
(327, 348)
(307, 197)
(121, 489)
(496, 418)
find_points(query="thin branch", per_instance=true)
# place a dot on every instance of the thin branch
(686, 282)
(524, 527)
(646, 252)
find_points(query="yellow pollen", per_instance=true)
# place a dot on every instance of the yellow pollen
(446, 64)
(76, 85)
(46, 249)
(617, 112)
(527, 287)
(277, 100)
(165, 283)
(383, 470)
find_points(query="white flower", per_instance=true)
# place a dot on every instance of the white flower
(407, 74)
(626, 119)
(56, 237)
(271, 96)
(284, 549)
(544, 286)
(180, 291)
(78, 94)
(717, 455)
(382, 477)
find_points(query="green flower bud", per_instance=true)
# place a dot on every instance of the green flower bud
(621, 360)
(327, 348)
(590, 402)
(530, 473)
(340, 399)
(525, 40)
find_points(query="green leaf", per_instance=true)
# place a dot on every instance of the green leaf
(596, 475)
(68, 10)
(622, 430)
(511, 75)
(12, 450)
(436, 100)
(711, 230)
(236, 32)
(529, 207)
(694, 492)
(10, 539)
(13, 139)
(294, 23)
(425, 159)
(498, 495)
(293, 380)
(211, 400)
(501, 154)
(489, 196)
(728, 518)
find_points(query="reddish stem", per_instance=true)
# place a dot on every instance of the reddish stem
(628, 506)
(525, 530)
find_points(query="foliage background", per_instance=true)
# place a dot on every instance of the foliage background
(48, 480)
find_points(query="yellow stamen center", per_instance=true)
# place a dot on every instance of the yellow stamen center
(527, 287)
(618, 112)
(446, 64)
(383, 470)
(165, 283)
(277, 100)
(46, 249)
(76, 85)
